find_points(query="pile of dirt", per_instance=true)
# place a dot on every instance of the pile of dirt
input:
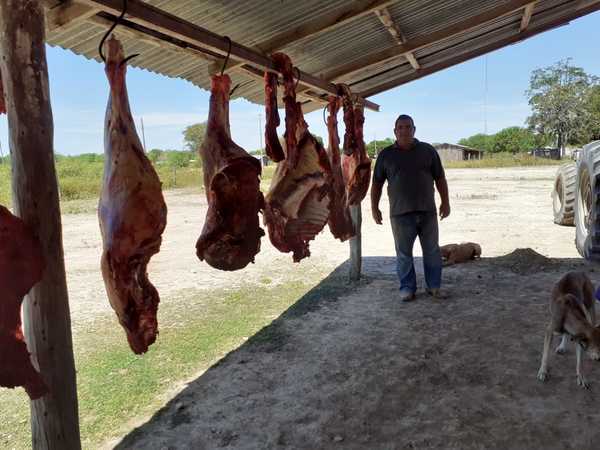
(525, 261)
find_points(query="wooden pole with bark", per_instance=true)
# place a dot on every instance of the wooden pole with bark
(356, 244)
(54, 417)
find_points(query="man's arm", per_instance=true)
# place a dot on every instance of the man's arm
(442, 187)
(376, 189)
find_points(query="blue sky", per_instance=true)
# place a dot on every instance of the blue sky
(446, 106)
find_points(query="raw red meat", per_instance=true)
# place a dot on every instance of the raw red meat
(21, 267)
(231, 235)
(349, 122)
(272, 144)
(293, 114)
(357, 166)
(297, 205)
(132, 214)
(340, 222)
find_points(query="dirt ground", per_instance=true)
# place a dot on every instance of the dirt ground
(351, 367)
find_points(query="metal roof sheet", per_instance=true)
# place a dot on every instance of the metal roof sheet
(259, 23)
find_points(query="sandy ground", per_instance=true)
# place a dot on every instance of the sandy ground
(502, 209)
(351, 367)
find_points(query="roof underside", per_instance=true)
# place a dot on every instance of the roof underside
(359, 51)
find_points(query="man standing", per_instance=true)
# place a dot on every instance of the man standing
(411, 168)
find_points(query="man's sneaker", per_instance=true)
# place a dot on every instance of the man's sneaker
(407, 296)
(436, 293)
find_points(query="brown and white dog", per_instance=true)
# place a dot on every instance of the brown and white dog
(573, 315)
(459, 253)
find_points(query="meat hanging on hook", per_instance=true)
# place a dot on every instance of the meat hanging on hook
(132, 213)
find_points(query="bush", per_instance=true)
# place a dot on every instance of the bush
(5, 189)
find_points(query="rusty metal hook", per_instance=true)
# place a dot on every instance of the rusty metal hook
(111, 29)
(227, 57)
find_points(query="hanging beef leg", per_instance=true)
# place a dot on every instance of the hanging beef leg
(132, 214)
(231, 235)
(357, 165)
(272, 145)
(340, 222)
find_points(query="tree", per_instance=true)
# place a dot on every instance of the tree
(515, 140)
(479, 141)
(155, 155)
(558, 99)
(194, 135)
(375, 146)
(177, 159)
(593, 106)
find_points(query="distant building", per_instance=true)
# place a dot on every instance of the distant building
(546, 152)
(456, 152)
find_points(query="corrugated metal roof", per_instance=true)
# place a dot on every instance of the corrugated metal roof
(256, 23)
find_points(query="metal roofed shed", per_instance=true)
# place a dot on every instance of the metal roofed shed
(456, 152)
(371, 46)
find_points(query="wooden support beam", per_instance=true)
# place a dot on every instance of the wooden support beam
(306, 94)
(417, 43)
(154, 39)
(67, 14)
(356, 244)
(527, 13)
(54, 417)
(386, 19)
(553, 19)
(161, 21)
(321, 24)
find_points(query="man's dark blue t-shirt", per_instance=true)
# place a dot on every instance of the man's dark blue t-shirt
(410, 175)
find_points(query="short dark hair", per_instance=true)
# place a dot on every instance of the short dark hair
(404, 117)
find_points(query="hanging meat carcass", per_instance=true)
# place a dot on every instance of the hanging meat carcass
(21, 267)
(272, 144)
(231, 235)
(297, 205)
(349, 139)
(356, 164)
(132, 214)
(340, 222)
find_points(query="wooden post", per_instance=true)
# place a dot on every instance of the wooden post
(54, 417)
(355, 244)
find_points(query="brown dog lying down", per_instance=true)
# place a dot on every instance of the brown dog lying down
(573, 315)
(459, 253)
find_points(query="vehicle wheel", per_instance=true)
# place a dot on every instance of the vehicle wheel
(563, 194)
(587, 199)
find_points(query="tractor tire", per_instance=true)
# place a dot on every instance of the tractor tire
(563, 194)
(587, 203)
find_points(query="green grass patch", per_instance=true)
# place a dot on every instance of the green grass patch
(80, 180)
(5, 189)
(493, 160)
(114, 385)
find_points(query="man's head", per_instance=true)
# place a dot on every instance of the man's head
(404, 129)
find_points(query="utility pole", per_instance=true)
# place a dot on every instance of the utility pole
(261, 143)
(143, 134)
(375, 142)
(485, 93)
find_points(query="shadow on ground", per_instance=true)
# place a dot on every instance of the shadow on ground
(351, 367)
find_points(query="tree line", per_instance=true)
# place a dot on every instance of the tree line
(565, 110)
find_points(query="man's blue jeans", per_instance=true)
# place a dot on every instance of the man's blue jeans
(406, 228)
